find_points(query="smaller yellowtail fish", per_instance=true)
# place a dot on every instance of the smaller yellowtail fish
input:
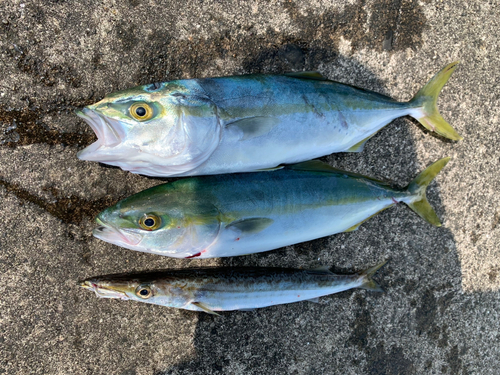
(245, 123)
(229, 288)
(228, 215)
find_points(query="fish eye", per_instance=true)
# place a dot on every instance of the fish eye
(143, 292)
(141, 111)
(150, 222)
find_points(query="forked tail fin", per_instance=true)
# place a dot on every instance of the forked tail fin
(368, 283)
(418, 187)
(425, 108)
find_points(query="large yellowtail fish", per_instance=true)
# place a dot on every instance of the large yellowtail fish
(230, 288)
(227, 215)
(245, 123)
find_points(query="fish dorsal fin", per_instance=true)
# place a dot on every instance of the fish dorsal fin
(250, 226)
(205, 308)
(322, 269)
(317, 76)
(253, 127)
(319, 166)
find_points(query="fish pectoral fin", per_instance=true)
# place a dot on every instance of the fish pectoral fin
(256, 126)
(317, 76)
(315, 300)
(319, 166)
(205, 308)
(250, 226)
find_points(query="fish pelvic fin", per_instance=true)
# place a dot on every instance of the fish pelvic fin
(418, 188)
(368, 283)
(425, 101)
(205, 308)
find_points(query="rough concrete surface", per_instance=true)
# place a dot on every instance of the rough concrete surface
(440, 311)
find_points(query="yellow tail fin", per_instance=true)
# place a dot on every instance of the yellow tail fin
(426, 99)
(418, 187)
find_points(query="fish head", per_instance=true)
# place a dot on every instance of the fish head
(156, 287)
(160, 222)
(162, 129)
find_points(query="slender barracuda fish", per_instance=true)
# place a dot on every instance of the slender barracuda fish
(245, 123)
(230, 288)
(228, 215)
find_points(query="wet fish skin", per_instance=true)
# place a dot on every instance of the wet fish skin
(228, 288)
(246, 123)
(229, 215)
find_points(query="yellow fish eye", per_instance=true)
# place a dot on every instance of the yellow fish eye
(141, 111)
(150, 222)
(143, 292)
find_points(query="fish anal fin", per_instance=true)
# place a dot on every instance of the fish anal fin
(317, 76)
(205, 308)
(250, 226)
(314, 300)
(358, 147)
(271, 169)
(253, 127)
(355, 227)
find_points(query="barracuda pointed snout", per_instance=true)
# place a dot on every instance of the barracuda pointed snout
(85, 284)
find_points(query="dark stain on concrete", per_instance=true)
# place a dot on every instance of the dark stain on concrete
(377, 360)
(393, 363)
(42, 71)
(360, 326)
(126, 33)
(428, 309)
(493, 274)
(495, 221)
(25, 127)
(394, 26)
(426, 313)
(70, 210)
(454, 361)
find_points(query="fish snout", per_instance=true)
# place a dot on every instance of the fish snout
(117, 236)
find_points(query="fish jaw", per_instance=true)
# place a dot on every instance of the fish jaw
(121, 237)
(110, 134)
(102, 291)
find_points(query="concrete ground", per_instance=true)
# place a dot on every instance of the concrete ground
(440, 311)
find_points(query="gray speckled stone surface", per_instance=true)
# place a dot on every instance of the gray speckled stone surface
(440, 312)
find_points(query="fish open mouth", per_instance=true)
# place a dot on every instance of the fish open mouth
(121, 237)
(107, 134)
